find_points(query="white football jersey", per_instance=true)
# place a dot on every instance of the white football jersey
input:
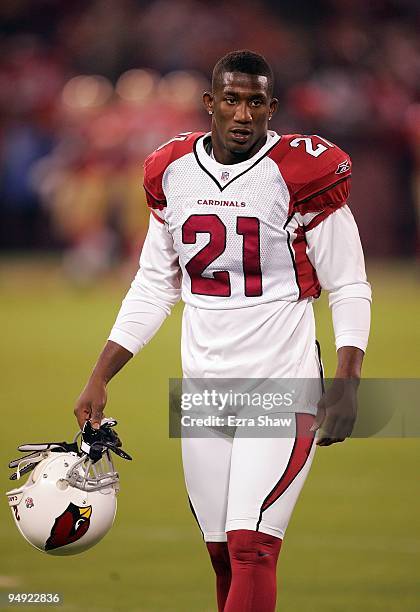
(239, 230)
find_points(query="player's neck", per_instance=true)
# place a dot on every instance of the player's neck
(224, 156)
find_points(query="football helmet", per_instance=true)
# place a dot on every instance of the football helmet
(68, 502)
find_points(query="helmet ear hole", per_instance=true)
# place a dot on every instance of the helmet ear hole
(62, 484)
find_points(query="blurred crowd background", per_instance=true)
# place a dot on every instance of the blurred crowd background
(88, 88)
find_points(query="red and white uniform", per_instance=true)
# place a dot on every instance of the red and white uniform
(248, 246)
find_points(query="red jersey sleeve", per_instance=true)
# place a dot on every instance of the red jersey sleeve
(157, 163)
(317, 174)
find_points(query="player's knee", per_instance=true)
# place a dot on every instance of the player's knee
(219, 556)
(253, 547)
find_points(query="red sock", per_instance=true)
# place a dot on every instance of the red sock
(253, 559)
(219, 556)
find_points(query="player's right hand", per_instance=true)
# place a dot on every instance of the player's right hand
(91, 403)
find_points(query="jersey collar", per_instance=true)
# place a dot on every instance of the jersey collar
(224, 174)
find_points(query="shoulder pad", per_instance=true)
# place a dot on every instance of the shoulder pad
(311, 166)
(157, 162)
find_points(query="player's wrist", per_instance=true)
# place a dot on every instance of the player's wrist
(348, 373)
(98, 378)
(349, 366)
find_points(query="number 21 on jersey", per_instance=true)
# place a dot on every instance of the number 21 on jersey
(219, 283)
(309, 147)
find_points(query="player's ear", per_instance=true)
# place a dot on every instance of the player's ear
(208, 102)
(273, 107)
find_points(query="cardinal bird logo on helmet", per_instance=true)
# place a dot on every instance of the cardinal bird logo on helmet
(69, 526)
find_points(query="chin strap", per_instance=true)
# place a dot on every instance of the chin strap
(97, 441)
(94, 443)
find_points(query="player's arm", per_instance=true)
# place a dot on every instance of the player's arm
(335, 251)
(153, 292)
(92, 400)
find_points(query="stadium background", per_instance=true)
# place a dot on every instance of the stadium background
(87, 89)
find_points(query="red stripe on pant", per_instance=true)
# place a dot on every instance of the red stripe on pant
(300, 452)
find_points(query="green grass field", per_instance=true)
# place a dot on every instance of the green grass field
(354, 540)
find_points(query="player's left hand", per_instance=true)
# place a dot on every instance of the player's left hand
(337, 411)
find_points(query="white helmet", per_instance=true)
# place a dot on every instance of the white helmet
(68, 503)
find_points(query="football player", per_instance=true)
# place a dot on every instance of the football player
(247, 226)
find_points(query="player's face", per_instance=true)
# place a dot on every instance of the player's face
(241, 107)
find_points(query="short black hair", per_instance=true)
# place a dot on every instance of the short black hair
(244, 61)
